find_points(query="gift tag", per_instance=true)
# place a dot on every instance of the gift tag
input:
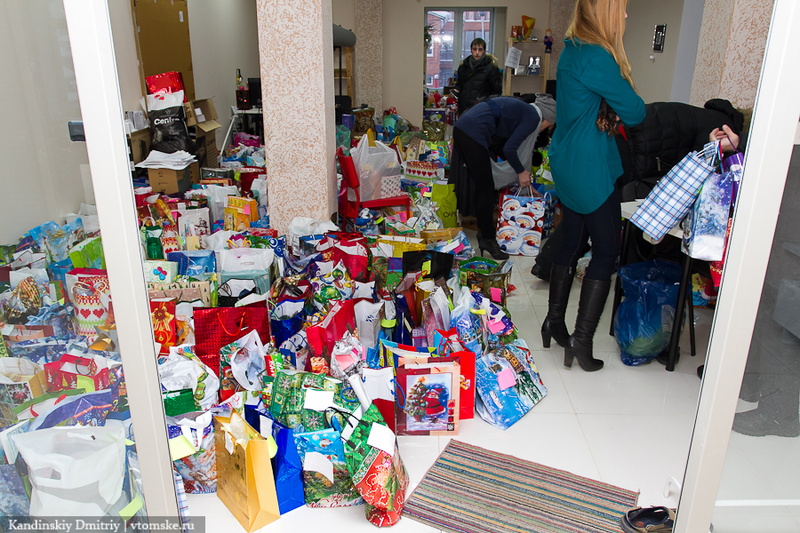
(316, 462)
(318, 400)
(506, 378)
(382, 437)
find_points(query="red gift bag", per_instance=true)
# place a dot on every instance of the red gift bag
(324, 334)
(165, 326)
(75, 372)
(215, 327)
(167, 82)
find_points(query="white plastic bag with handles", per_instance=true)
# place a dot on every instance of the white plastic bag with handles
(74, 471)
(376, 165)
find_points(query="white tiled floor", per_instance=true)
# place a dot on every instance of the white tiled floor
(628, 426)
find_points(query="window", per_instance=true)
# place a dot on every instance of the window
(452, 31)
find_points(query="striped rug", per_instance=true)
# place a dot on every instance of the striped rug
(474, 490)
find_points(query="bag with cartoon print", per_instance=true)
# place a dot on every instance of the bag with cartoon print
(520, 222)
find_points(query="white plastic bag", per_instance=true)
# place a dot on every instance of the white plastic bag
(302, 226)
(74, 471)
(374, 165)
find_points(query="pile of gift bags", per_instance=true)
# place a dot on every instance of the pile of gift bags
(288, 364)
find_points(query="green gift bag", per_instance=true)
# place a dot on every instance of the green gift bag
(444, 194)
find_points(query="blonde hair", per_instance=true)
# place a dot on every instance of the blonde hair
(602, 22)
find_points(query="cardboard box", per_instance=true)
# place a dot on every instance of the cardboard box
(168, 181)
(140, 144)
(201, 118)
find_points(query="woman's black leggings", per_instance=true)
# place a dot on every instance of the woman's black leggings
(604, 226)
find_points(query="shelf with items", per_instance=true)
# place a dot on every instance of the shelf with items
(532, 70)
(343, 73)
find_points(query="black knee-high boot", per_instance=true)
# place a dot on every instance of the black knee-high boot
(553, 325)
(590, 307)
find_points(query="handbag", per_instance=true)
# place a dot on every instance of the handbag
(520, 223)
(215, 327)
(673, 195)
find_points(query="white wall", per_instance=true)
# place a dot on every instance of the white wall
(224, 37)
(691, 20)
(44, 175)
(653, 77)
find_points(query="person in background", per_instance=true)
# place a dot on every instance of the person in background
(585, 164)
(503, 123)
(477, 77)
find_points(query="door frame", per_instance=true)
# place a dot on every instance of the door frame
(769, 149)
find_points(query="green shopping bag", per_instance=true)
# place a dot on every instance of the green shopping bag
(444, 194)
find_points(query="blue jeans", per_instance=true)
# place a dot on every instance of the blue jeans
(604, 226)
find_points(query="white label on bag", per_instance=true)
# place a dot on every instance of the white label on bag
(229, 444)
(316, 462)
(318, 400)
(381, 437)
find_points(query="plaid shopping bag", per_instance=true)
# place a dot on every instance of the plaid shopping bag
(674, 194)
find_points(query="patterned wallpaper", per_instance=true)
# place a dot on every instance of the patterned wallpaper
(369, 53)
(731, 48)
(560, 15)
(297, 93)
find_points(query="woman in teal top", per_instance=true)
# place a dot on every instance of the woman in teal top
(585, 164)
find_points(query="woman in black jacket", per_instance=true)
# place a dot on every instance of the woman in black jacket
(477, 77)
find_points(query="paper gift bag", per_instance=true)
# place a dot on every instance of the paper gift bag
(197, 293)
(339, 320)
(302, 398)
(374, 463)
(245, 483)
(507, 385)
(326, 480)
(428, 398)
(162, 317)
(20, 380)
(242, 365)
(91, 295)
(448, 343)
(706, 224)
(520, 223)
(288, 469)
(198, 470)
(75, 372)
(215, 327)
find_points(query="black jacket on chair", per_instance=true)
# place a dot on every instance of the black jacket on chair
(669, 131)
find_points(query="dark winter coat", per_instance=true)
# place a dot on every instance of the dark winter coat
(669, 131)
(480, 81)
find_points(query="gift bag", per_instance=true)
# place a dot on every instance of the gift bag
(194, 263)
(520, 223)
(245, 483)
(242, 365)
(448, 343)
(376, 469)
(673, 195)
(706, 223)
(162, 317)
(74, 471)
(428, 398)
(508, 385)
(198, 470)
(75, 372)
(288, 469)
(444, 195)
(215, 327)
(326, 480)
(302, 398)
(339, 320)
(20, 380)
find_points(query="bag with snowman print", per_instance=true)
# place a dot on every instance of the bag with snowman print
(520, 222)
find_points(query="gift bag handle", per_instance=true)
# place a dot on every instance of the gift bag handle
(241, 325)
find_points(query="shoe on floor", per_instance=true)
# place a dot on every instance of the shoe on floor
(760, 423)
(648, 520)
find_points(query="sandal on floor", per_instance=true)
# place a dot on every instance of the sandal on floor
(648, 520)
